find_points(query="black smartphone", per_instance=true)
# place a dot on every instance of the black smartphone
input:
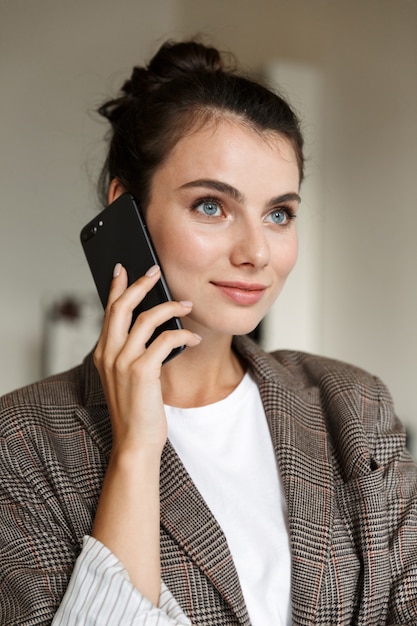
(119, 235)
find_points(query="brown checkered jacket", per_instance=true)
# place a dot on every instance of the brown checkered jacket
(350, 486)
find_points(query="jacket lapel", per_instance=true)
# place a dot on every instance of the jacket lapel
(302, 461)
(187, 518)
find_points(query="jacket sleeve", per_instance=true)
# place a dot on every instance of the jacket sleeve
(37, 545)
(46, 508)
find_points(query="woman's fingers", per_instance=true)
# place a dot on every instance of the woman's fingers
(116, 345)
(161, 348)
(120, 305)
(123, 300)
(144, 327)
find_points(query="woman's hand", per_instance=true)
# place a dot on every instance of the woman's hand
(127, 516)
(129, 371)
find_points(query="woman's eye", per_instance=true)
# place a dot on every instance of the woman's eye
(208, 207)
(280, 216)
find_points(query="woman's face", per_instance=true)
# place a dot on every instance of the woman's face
(221, 218)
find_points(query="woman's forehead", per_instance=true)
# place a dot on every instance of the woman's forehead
(232, 153)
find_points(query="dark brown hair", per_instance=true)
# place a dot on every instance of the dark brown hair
(184, 85)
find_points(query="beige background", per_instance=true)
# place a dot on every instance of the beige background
(59, 59)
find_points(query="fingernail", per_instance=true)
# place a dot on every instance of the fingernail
(197, 336)
(186, 303)
(117, 269)
(152, 270)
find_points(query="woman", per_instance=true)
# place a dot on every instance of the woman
(227, 486)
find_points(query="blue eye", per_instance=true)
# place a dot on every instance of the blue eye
(207, 207)
(279, 216)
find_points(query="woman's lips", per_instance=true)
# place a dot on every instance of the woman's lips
(241, 293)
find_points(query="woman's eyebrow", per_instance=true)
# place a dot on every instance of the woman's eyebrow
(218, 185)
(285, 197)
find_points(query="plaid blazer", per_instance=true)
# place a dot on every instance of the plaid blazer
(350, 486)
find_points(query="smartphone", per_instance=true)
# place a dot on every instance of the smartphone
(119, 235)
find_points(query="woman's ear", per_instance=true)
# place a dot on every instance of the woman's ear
(115, 190)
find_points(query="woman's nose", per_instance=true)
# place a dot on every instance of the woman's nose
(250, 246)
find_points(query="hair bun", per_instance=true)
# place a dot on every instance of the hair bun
(176, 59)
(173, 60)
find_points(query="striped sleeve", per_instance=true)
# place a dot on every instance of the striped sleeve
(101, 593)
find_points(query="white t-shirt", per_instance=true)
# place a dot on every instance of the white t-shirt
(227, 450)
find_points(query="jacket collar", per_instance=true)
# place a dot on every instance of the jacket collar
(187, 518)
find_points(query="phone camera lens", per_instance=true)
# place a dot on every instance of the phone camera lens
(88, 233)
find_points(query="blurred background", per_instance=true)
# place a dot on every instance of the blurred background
(350, 69)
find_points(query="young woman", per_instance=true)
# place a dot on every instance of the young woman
(227, 486)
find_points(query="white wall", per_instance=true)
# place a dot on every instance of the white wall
(58, 59)
(295, 319)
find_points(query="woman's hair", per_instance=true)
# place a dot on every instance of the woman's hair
(184, 86)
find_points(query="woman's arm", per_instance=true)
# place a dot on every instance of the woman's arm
(127, 518)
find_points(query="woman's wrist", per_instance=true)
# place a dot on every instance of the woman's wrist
(127, 517)
(130, 455)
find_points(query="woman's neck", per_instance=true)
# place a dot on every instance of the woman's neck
(202, 375)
